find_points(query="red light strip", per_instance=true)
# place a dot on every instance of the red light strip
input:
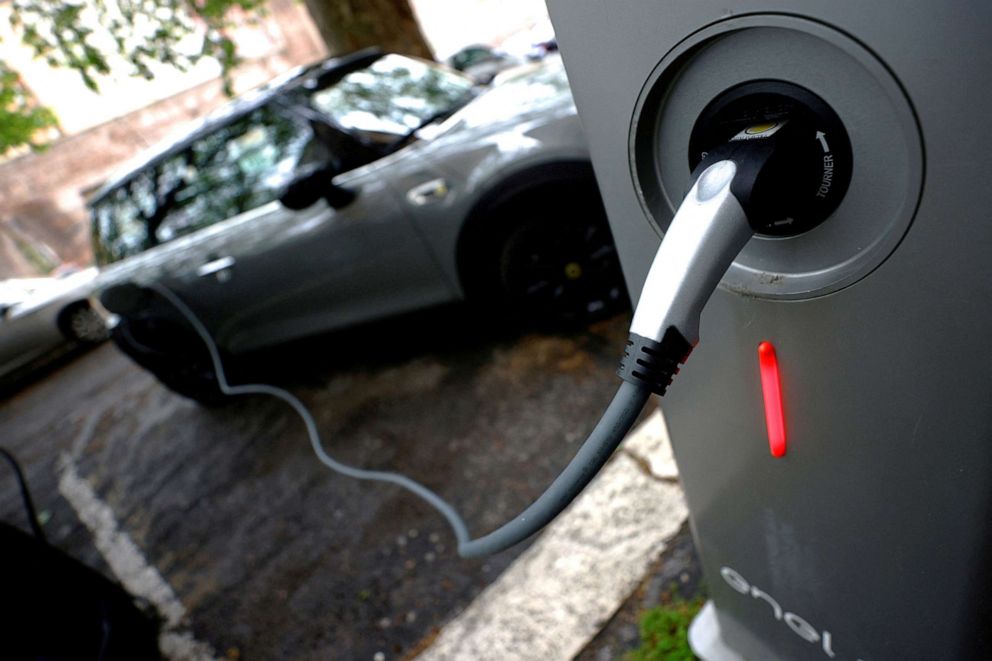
(771, 388)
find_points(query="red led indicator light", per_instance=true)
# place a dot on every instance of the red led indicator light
(771, 388)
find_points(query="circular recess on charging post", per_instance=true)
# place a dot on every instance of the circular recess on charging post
(860, 183)
(820, 166)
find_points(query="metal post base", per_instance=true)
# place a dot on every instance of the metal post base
(705, 639)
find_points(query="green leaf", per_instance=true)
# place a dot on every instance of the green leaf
(65, 33)
(21, 121)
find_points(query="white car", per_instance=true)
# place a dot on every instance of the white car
(40, 315)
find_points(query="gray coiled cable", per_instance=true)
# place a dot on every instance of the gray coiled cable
(595, 451)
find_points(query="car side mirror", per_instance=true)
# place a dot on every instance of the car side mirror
(310, 184)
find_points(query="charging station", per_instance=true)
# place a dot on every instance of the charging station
(839, 479)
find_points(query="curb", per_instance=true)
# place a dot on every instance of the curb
(561, 591)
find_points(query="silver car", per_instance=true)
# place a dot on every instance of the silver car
(39, 316)
(358, 188)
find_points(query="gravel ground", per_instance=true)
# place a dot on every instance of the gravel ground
(272, 555)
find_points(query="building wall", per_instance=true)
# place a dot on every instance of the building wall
(42, 196)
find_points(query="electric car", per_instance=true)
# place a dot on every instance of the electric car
(358, 188)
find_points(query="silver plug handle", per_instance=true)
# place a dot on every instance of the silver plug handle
(709, 230)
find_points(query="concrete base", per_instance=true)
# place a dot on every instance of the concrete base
(705, 639)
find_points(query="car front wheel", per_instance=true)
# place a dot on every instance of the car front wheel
(561, 269)
(81, 323)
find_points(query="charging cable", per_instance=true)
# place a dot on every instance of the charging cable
(708, 231)
(605, 437)
(22, 483)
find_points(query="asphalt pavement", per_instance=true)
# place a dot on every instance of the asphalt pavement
(254, 550)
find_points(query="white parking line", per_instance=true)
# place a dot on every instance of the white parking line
(129, 565)
(560, 592)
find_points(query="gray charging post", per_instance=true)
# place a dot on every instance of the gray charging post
(869, 537)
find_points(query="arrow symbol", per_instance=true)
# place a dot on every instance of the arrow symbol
(822, 137)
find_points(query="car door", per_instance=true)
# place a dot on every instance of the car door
(265, 274)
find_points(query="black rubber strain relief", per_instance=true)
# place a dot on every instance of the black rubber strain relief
(652, 364)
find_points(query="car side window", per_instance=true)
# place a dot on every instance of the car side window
(237, 168)
(119, 227)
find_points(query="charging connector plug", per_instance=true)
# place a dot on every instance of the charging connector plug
(737, 187)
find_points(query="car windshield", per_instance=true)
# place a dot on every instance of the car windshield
(392, 97)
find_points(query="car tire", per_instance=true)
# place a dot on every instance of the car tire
(559, 268)
(79, 322)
